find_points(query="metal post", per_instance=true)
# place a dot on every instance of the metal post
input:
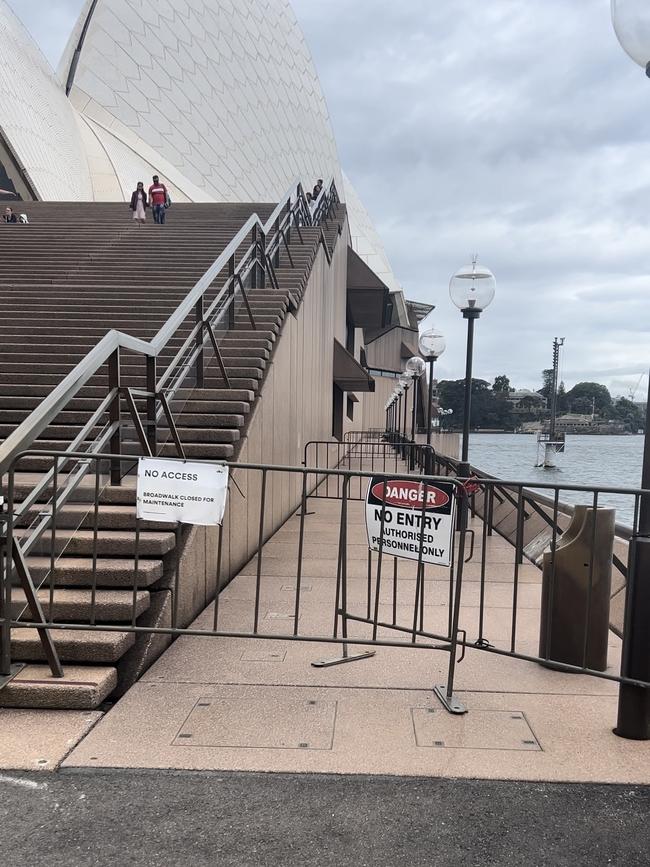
(200, 358)
(255, 252)
(464, 470)
(152, 437)
(556, 364)
(431, 359)
(398, 417)
(416, 387)
(262, 266)
(288, 232)
(463, 467)
(633, 720)
(231, 292)
(5, 612)
(406, 403)
(276, 257)
(115, 416)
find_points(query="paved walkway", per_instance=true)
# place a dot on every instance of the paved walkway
(259, 705)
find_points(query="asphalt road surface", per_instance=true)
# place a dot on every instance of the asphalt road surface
(173, 818)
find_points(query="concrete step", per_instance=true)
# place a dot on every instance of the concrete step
(75, 516)
(110, 543)
(83, 687)
(76, 606)
(225, 400)
(207, 451)
(78, 571)
(80, 646)
(220, 427)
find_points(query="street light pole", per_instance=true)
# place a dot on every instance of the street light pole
(398, 420)
(633, 720)
(415, 368)
(631, 20)
(464, 467)
(472, 289)
(432, 344)
(414, 408)
(406, 401)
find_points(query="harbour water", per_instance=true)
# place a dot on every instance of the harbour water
(601, 461)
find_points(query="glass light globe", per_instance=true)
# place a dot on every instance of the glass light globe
(631, 20)
(432, 343)
(415, 366)
(472, 287)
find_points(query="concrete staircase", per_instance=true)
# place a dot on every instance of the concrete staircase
(69, 277)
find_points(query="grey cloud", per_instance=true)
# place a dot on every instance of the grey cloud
(515, 128)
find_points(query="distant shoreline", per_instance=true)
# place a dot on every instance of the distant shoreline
(534, 433)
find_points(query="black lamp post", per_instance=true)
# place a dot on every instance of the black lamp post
(471, 289)
(393, 414)
(397, 408)
(415, 368)
(631, 19)
(432, 344)
(404, 382)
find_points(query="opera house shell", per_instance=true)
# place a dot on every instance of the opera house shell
(219, 97)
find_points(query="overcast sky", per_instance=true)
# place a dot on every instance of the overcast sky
(516, 129)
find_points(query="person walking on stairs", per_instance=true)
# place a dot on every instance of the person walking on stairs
(139, 204)
(158, 199)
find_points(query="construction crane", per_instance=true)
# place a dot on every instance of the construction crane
(632, 392)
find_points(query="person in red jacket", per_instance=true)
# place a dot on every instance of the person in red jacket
(158, 200)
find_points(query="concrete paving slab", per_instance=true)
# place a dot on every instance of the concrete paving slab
(39, 740)
(374, 734)
(231, 661)
(227, 703)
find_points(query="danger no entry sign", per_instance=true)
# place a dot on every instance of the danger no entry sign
(410, 523)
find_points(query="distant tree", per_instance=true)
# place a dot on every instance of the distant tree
(489, 410)
(629, 414)
(562, 399)
(501, 385)
(530, 409)
(547, 384)
(582, 405)
(590, 394)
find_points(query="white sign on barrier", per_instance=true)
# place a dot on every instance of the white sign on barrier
(408, 524)
(180, 491)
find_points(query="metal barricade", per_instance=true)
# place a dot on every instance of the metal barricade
(67, 520)
(39, 541)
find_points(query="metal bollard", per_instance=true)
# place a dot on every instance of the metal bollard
(576, 591)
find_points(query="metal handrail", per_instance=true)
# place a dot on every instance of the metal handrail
(114, 341)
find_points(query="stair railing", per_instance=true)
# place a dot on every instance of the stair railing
(254, 264)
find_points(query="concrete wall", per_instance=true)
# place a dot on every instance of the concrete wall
(385, 352)
(294, 407)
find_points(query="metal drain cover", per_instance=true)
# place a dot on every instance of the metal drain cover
(263, 656)
(259, 721)
(476, 730)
